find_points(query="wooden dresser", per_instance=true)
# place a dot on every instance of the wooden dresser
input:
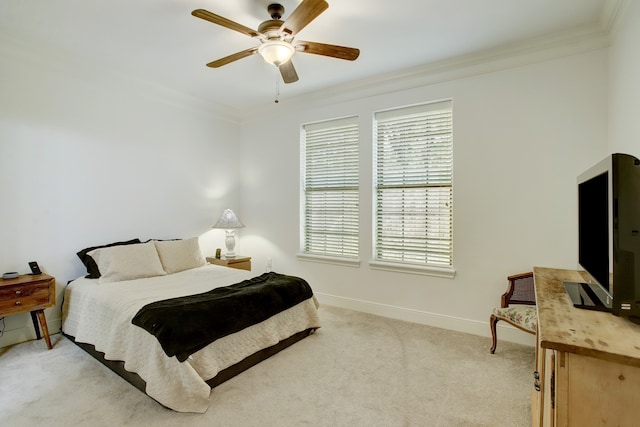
(588, 362)
(29, 293)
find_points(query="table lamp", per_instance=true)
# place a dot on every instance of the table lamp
(229, 222)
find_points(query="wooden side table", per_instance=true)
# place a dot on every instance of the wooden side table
(29, 293)
(240, 262)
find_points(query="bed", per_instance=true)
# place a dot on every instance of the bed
(98, 313)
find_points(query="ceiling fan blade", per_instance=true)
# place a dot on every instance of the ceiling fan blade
(341, 52)
(234, 57)
(288, 72)
(306, 12)
(227, 23)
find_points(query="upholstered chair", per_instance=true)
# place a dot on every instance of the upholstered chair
(517, 307)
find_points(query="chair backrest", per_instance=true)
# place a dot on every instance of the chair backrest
(520, 291)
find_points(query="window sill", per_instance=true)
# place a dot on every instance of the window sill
(447, 273)
(347, 262)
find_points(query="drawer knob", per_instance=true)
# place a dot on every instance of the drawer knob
(18, 303)
(18, 292)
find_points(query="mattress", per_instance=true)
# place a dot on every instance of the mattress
(100, 315)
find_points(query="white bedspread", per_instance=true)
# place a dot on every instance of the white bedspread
(101, 315)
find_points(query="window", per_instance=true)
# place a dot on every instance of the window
(331, 175)
(413, 186)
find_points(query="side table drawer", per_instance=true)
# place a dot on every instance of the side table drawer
(23, 298)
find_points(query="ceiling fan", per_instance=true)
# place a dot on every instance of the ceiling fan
(277, 44)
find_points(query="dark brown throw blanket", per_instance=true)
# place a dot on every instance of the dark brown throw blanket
(185, 325)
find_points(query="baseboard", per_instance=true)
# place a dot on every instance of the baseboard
(26, 333)
(505, 332)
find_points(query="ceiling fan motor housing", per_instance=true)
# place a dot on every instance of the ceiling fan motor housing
(271, 28)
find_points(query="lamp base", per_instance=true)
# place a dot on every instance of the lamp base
(230, 243)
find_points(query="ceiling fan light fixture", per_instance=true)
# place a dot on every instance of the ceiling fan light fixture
(276, 52)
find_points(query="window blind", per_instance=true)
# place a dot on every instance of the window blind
(331, 192)
(414, 191)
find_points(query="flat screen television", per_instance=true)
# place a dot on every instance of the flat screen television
(609, 237)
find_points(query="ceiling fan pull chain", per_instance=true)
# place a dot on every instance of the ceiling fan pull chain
(277, 88)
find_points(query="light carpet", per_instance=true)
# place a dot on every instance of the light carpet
(357, 370)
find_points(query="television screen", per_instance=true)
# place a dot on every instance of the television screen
(593, 228)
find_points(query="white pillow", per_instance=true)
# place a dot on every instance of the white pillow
(179, 255)
(118, 263)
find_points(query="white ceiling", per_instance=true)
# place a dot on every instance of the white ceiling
(161, 42)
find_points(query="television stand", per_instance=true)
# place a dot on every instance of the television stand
(588, 361)
(584, 296)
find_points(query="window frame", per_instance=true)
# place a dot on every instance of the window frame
(402, 265)
(350, 189)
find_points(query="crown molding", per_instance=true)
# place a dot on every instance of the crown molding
(34, 55)
(610, 13)
(567, 43)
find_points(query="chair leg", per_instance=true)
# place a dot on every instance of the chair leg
(493, 320)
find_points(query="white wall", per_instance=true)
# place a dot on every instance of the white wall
(88, 158)
(521, 136)
(624, 99)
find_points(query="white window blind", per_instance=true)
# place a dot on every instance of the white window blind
(331, 177)
(414, 192)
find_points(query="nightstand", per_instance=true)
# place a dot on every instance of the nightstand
(240, 262)
(32, 294)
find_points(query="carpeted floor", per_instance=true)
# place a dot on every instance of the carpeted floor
(357, 370)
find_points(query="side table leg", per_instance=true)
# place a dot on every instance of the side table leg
(45, 329)
(35, 324)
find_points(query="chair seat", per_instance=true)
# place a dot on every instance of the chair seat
(523, 316)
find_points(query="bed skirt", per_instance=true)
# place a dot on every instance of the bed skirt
(222, 376)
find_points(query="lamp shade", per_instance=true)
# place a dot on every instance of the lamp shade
(228, 220)
(276, 52)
